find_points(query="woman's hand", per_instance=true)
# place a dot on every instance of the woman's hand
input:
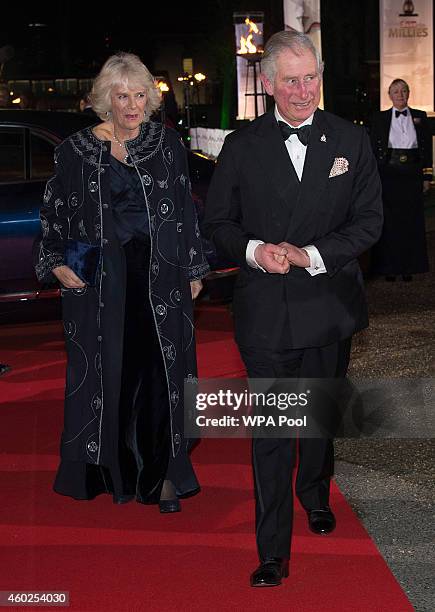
(104, 131)
(68, 278)
(195, 288)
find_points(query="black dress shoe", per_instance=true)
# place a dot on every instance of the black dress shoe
(390, 279)
(407, 278)
(122, 499)
(169, 505)
(270, 572)
(321, 521)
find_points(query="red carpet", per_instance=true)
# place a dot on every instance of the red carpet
(130, 557)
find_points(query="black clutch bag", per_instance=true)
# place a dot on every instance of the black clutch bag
(84, 259)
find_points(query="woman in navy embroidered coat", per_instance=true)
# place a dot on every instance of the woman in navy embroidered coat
(124, 187)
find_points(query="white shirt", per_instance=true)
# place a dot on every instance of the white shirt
(295, 148)
(402, 131)
(297, 152)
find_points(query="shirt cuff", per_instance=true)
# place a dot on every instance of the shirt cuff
(250, 259)
(316, 262)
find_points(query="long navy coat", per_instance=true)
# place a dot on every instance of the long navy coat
(77, 205)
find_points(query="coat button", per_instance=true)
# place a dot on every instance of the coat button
(103, 273)
(99, 338)
(105, 205)
(177, 438)
(105, 241)
(101, 305)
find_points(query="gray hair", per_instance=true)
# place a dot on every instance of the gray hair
(279, 42)
(123, 69)
(396, 82)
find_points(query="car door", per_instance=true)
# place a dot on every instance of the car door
(26, 161)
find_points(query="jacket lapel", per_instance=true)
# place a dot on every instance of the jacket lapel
(386, 125)
(417, 126)
(274, 158)
(319, 160)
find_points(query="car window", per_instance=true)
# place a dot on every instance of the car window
(12, 160)
(41, 165)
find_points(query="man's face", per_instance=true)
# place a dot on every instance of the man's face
(399, 94)
(296, 87)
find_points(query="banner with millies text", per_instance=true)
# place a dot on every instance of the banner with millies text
(406, 50)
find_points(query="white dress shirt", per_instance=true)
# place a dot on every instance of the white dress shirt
(402, 131)
(297, 152)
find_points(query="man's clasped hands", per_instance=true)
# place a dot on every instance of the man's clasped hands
(278, 258)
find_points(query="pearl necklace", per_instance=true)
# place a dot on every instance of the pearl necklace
(122, 145)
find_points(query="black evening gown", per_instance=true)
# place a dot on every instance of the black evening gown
(142, 460)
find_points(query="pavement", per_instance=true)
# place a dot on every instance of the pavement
(390, 483)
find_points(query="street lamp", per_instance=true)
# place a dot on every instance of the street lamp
(163, 88)
(190, 81)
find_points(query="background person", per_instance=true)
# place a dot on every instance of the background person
(85, 105)
(124, 188)
(402, 144)
(5, 98)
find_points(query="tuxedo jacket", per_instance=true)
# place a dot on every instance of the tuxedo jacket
(256, 194)
(380, 131)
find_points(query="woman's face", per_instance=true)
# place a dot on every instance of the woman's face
(128, 106)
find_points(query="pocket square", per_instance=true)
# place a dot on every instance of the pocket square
(340, 166)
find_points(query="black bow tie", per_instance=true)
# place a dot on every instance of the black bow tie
(404, 113)
(303, 133)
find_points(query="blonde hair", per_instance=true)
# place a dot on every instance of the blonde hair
(122, 69)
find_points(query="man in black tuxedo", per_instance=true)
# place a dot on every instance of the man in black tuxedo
(295, 199)
(402, 144)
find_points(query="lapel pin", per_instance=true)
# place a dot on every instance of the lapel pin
(323, 138)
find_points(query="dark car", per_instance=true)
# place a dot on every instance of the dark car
(27, 141)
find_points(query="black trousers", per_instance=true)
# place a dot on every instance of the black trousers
(402, 247)
(273, 459)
